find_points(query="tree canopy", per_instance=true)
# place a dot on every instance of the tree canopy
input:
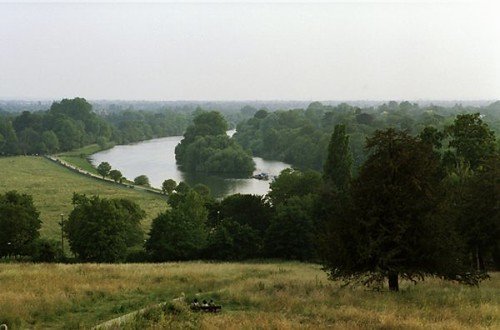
(389, 229)
(19, 223)
(207, 148)
(101, 230)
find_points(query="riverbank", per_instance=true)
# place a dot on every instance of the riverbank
(96, 176)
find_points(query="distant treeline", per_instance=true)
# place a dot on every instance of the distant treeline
(300, 136)
(71, 124)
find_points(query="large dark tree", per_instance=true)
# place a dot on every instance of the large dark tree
(19, 223)
(291, 232)
(478, 218)
(337, 168)
(101, 230)
(389, 229)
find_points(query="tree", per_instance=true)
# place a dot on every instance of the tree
(103, 169)
(207, 148)
(182, 188)
(116, 175)
(337, 168)
(179, 233)
(471, 139)
(46, 250)
(19, 223)
(101, 230)
(10, 145)
(292, 183)
(50, 140)
(142, 180)
(291, 232)
(479, 212)
(251, 210)
(168, 186)
(388, 229)
(231, 240)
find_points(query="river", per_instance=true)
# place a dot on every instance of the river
(156, 159)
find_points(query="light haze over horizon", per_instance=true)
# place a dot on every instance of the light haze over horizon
(250, 51)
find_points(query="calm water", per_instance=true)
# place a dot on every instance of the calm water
(156, 159)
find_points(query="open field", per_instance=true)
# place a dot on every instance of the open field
(52, 188)
(253, 295)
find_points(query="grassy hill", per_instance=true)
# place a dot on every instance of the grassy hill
(52, 188)
(253, 295)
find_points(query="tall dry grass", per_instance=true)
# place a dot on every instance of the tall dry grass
(253, 295)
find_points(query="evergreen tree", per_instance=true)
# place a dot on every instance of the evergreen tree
(337, 168)
(389, 228)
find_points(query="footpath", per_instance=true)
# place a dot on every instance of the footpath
(120, 321)
(78, 170)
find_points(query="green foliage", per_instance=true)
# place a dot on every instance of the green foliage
(206, 148)
(142, 180)
(179, 233)
(292, 183)
(101, 230)
(19, 223)
(301, 136)
(50, 141)
(103, 169)
(238, 225)
(337, 168)
(182, 188)
(46, 250)
(291, 232)
(391, 226)
(116, 175)
(168, 186)
(471, 139)
(231, 240)
(67, 125)
(478, 219)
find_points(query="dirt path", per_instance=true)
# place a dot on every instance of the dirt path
(116, 323)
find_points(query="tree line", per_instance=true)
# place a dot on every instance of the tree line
(72, 123)
(300, 137)
(420, 205)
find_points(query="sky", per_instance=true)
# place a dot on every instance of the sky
(359, 50)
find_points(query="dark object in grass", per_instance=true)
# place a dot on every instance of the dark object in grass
(205, 307)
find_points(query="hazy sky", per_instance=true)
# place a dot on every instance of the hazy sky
(250, 51)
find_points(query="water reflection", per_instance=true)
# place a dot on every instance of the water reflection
(156, 159)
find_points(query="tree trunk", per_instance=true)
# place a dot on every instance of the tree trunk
(393, 281)
(479, 260)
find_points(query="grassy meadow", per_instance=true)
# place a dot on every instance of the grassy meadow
(253, 295)
(52, 187)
